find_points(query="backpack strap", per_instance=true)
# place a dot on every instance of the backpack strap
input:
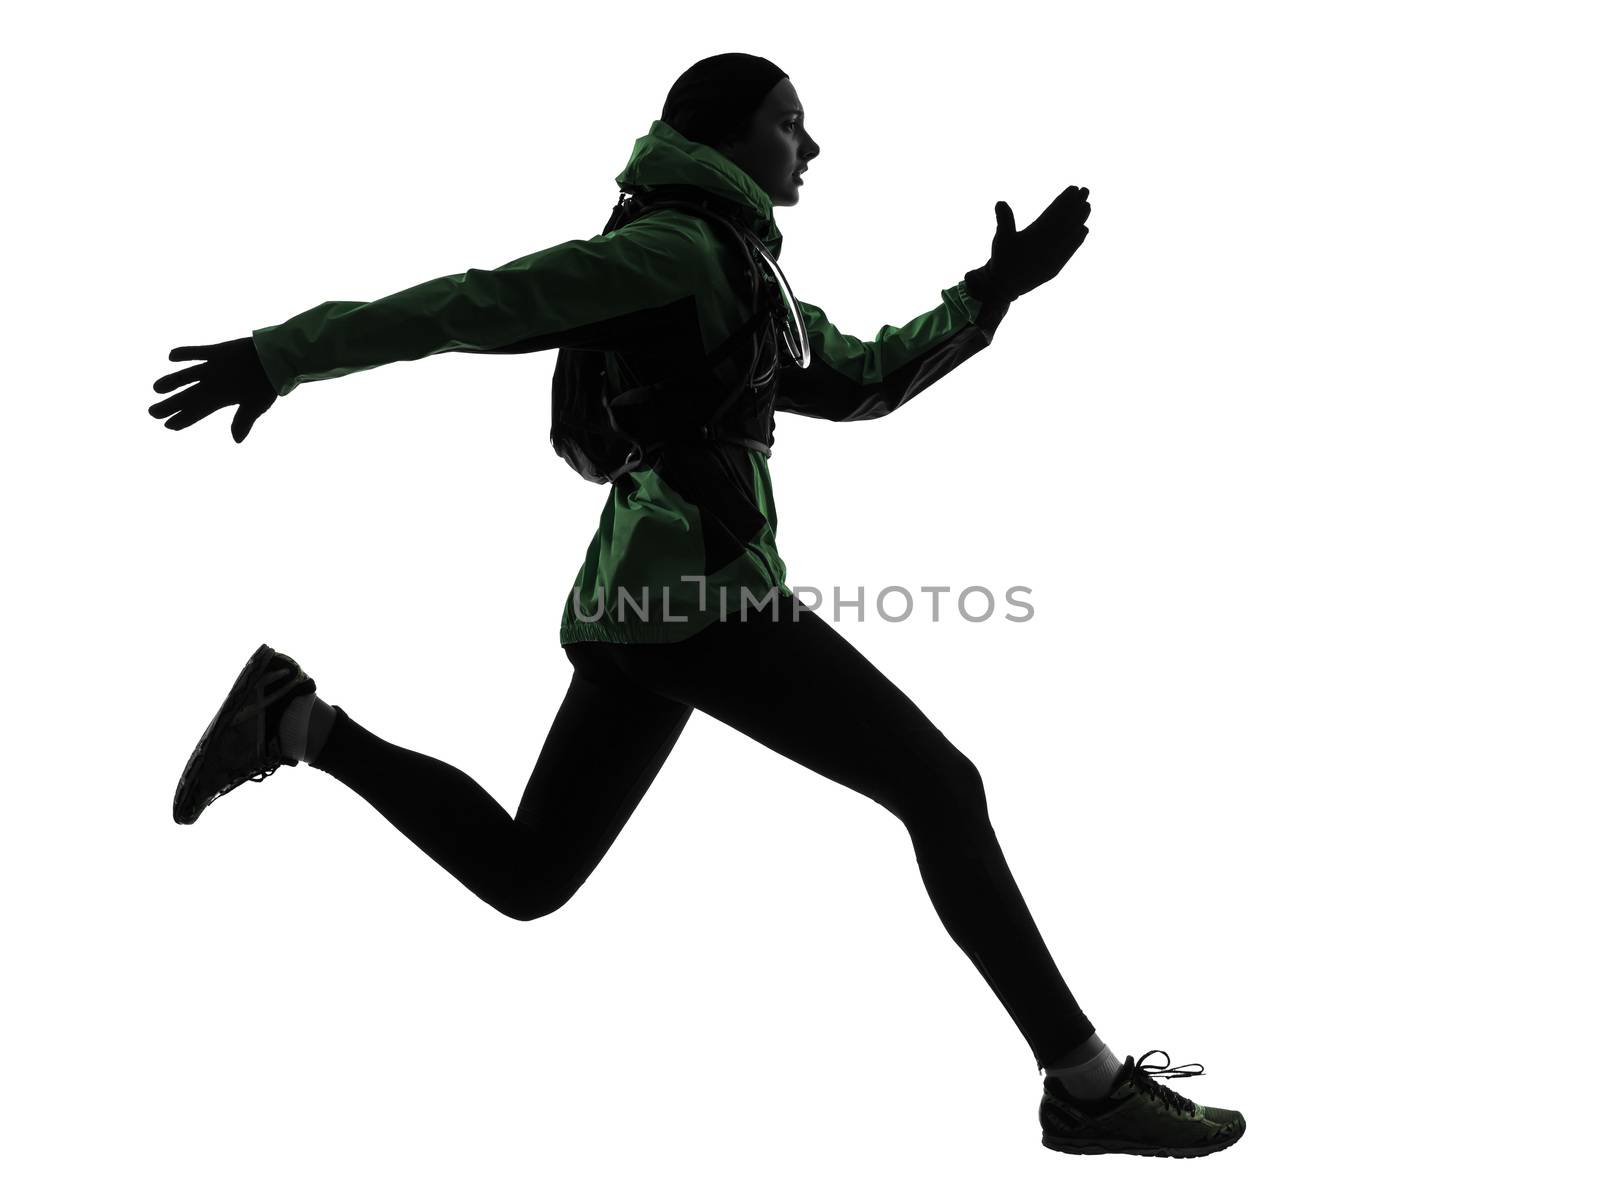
(631, 208)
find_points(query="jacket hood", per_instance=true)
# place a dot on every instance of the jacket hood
(664, 156)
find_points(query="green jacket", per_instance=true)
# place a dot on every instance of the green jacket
(691, 537)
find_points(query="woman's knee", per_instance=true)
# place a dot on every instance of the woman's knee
(967, 784)
(527, 901)
(947, 790)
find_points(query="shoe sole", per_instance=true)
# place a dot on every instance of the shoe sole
(186, 807)
(1101, 1147)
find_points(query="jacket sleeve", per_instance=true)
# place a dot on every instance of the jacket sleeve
(851, 379)
(605, 293)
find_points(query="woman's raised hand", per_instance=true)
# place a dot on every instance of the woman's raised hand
(1019, 262)
(230, 372)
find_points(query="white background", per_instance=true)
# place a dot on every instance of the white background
(1295, 763)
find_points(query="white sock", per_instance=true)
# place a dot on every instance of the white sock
(1087, 1071)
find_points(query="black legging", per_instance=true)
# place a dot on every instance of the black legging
(794, 685)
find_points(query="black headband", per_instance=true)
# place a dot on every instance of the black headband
(713, 100)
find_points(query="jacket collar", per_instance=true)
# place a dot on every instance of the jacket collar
(663, 156)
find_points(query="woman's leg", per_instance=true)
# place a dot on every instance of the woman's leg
(801, 689)
(604, 748)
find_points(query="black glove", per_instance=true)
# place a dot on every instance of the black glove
(231, 372)
(1019, 262)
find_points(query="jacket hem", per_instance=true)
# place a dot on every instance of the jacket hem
(636, 634)
(613, 632)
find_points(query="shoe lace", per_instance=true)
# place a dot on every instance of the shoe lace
(1145, 1079)
(259, 776)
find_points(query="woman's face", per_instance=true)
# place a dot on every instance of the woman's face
(777, 146)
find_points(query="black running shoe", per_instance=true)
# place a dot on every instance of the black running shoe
(241, 743)
(1139, 1116)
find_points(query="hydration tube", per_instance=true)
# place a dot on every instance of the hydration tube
(795, 339)
(796, 342)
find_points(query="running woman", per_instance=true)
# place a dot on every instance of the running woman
(660, 296)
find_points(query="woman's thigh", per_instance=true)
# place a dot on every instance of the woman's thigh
(800, 688)
(607, 742)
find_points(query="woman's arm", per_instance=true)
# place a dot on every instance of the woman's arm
(851, 379)
(608, 292)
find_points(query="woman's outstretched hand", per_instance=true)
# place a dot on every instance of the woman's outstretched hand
(230, 373)
(1019, 262)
